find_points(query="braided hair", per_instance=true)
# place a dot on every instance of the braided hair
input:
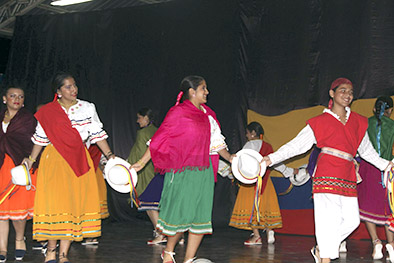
(381, 105)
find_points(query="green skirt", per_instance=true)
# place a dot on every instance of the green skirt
(186, 202)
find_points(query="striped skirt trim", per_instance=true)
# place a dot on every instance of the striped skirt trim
(171, 230)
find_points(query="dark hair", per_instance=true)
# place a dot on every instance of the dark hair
(256, 127)
(147, 112)
(58, 80)
(5, 91)
(382, 103)
(190, 82)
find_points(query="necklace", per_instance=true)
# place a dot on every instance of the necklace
(65, 106)
(7, 117)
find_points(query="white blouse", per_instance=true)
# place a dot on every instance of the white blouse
(84, 118)
(5, 126)
(217, 139)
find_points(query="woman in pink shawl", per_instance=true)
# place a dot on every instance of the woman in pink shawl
(186, 148)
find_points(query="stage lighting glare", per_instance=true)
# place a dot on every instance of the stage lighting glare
(68, 2)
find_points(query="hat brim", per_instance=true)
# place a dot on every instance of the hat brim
(301, 178)
(126, 188)
(28, 187)
(26, 174)
(238, 175)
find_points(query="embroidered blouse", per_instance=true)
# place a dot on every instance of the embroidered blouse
(84, 118)
(217, 139)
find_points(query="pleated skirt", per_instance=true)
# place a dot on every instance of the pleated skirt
(186, 202)
(102, 188)
(372, 200)
(269, 210)
(66, 207)
(18, 205)
(150, 198)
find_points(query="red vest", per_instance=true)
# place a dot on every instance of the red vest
(333, 174)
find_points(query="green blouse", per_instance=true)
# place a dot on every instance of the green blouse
(138, 149)
(386, 137)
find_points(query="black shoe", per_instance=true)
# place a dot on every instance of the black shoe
(19, 254)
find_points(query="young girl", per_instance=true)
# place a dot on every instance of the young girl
(340, 134)
(374, 206)
(270, 217)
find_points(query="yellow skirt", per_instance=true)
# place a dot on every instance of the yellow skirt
(102, 188)
(269, 210)
(66, 207)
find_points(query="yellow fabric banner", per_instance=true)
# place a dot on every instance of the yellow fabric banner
(282, 128)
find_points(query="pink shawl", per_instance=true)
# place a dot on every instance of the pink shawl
(182, 140)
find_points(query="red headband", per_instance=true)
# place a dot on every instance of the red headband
(340, 81)
(336, 83)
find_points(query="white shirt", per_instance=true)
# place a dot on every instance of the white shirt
(217, 139)
(83, 118)
(306, 139)
(5, 126)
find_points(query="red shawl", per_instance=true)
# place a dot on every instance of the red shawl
(63, 136)
(182, 140)
(266, 149)
(16, 142)
(95, 153)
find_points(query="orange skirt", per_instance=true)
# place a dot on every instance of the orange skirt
(67, 207)
(269, 210)
(102, 188)
(19, 204)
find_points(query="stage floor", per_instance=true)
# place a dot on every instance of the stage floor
(126, 243)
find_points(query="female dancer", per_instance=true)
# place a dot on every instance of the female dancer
(340, 134)
(181, 147)
(269, 210)
(145, 121)
(17, 128)
(374, 206)
(67, 206)
(149, 191)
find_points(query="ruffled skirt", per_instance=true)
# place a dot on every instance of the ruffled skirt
(66, 207)
(19, 204)
(269, 210)
(186, 202)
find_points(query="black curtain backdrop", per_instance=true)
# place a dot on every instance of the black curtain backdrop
(271, 56)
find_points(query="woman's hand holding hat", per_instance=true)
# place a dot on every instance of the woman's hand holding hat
(138, 166)
(232, 157)
(28, 163)
(267, 161)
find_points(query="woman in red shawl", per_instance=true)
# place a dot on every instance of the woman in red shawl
(186, 148)
(17, 128)
(67, 206)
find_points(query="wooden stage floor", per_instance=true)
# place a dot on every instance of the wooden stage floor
(126, 243)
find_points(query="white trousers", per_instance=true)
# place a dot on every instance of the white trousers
(336, 217)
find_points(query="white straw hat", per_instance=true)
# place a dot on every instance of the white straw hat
(247, 166)
(119, 176)
(301, 177)
(21, 176)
